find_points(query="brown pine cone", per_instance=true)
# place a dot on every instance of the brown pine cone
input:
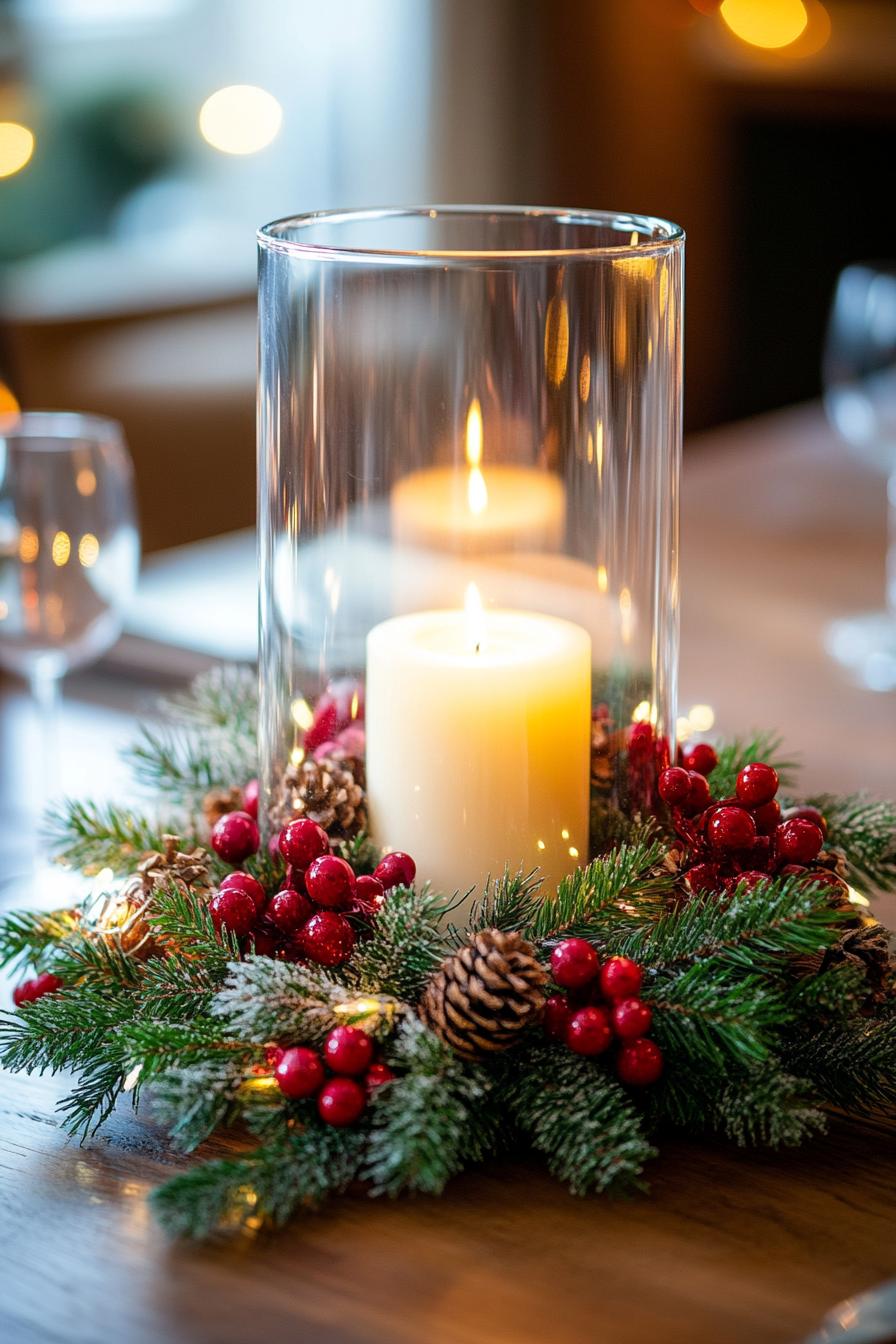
(329, 791)
(481, 998)
(188, 869)
(219, 802)
(120, 917)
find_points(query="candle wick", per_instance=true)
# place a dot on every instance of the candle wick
(477, 646)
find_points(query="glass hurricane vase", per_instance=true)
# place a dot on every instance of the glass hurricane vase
(469, 448)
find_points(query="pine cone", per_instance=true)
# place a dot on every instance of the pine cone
(867, 946)
(219, 802)
(480, 999)
(120, 917)
(329, 791)
(189, 870)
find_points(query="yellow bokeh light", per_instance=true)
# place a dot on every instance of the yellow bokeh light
(556, 340)
(9, 407)
(85, 482)
(473, 434)
(585, 377)
(765, 23)
(88, 550)
(573, 852)
(701, 718)
(29, 545)
(603, 579)
(61, 549)
(302, 713)
(16, 147)
(641, 712)
(240, 119)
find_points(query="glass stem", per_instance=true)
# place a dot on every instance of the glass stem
(891, 545)
(45, 690)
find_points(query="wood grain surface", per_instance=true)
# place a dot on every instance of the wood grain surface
(782, 531)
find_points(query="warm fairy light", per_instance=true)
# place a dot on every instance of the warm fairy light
(603, 579)
(85, 481)
(88, 550)
(474, 618)
(641, 712)
(573, 852)
(9, 406)
(765, 23)
(267, 1083)
(296, 757)
(132, 1078)
(355, 706)
(683, 729)
(302, 713)
(240, 119)
(701, 718)
(564, 834)
(856, 897)
(29, 545)
(585, 377)
(540, 844)
(589, 450)
(366, 1011)
(16, 147)
(61, 549)
(556, 340)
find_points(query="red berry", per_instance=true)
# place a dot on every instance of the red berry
(341, 1102)
(588, 1031)
(29, 991)
(303, 841)
(701, 758)
(756, 784)
(640, 739)
(289, 910)
(631, 1018)
(263, 943)
(375, 1076)
(250, 798)
(396, 870)
(639, 1062)
(557, 1013)
(767, 817)
(620, 978)
(674, 786)
(327, 938)
(299, 1072)
(574, 963)
(235, 836)
(747, 881)
(799, 840)
(348, 1050)
(809, 814)
(731, 828)
(331, 882)
(341, 704)
(703, 877)
(369, 895)
(247, 883)
(699, 796)
(234, 910)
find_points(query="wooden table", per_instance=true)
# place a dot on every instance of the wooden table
(782, 532)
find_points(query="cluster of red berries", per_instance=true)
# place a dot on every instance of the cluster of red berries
(602, 1005)
(29, 991)
(306, 918)
(745, 838)
(348, 1054)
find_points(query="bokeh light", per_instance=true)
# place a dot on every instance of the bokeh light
(765, 23)
(16, 147)
(240, 119)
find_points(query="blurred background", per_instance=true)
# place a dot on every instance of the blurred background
(143, 141)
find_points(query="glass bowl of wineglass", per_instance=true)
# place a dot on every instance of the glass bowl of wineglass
(860, 400)
(69, 549)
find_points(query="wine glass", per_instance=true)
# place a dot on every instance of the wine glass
(860, 400)
(69, 550)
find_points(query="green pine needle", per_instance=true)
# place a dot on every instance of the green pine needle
(865, 829)
(91, 836)
(737, 753)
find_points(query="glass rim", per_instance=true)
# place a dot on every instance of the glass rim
(271, 236)
(64, 427)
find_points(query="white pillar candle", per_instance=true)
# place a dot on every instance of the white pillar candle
(478, 743)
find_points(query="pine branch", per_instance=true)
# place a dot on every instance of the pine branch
(61, 1031)
(362, 853)
(93, 962)
(183, 919)
(737, 753)
(406, 945)
(29, 938)
(616, 893)
(851, 1064)
(226, 696)
(865, 829)
(508, 903)
(263, 1000)
(92, 836)
(753, 931)
(429, 1122)
(580, 1118)
(710, 1018)
(757, 1106)
(298, 1170)
(836, 993)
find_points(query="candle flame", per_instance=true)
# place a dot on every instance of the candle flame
(475, 618)
(474, 434)
(477, 491)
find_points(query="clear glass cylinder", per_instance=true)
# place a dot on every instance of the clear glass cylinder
(469, 452)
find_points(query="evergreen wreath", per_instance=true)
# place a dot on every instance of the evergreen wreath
(698, 994)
